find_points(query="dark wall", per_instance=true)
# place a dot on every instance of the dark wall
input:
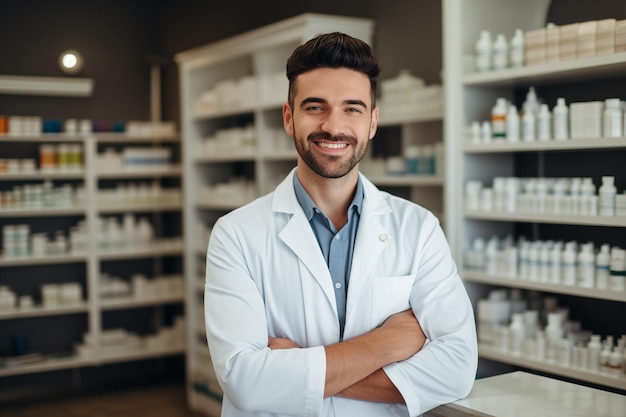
(116, 37)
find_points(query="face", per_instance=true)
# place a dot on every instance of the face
(332, 120)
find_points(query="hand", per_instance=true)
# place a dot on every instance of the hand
(404, 333)
(280, 343)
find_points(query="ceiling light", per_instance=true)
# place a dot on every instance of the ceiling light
(71, 62)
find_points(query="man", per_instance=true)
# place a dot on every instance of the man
(328, 297)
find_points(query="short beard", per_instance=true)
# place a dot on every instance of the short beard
(330, 170)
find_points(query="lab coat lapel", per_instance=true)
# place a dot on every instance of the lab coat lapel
(371, 239)
(298, 236)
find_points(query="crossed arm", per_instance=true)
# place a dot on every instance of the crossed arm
(354, 366)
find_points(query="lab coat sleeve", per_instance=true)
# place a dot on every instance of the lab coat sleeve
(252, 376)
(445, 369)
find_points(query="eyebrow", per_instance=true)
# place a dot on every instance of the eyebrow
(323, 101)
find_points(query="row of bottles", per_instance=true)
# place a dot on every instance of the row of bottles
(542, 330)
(559, 263)
(536, 122)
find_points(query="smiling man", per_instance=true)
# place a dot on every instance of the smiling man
(329, 297)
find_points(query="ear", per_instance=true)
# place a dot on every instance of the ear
(288, 119)
(374, 123)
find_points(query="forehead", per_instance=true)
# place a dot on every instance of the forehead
(333, 84)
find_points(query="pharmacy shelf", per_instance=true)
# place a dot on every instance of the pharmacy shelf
(43, 260)
(484, 278)
(140, 354)
(44, 137)
(579, 69)
(282, 155)
(221, 113)
(227, 157)
(42, 212)
(120, 303)
(488, 352)
(158, 249)
(144, 207)
(41, 311)
(219, 205)
(123, 138)
(18, 176)
(407, 117)
(552, 145)
(72, 362)
(47, 364)
(174, 171)
(605, 221)
(407, 180)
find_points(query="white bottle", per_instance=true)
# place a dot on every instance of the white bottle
(615, 361)
(586, 266)
(516, 333)
(574, 195)
(512, 125)
(555, 263)
(603, 269)
(483, 52)
(605, 354)
(594, 347)
(560, 120)
(587, 205)
(612, 120)
(568, 264)
(498, 119)
(554, 333)
(528, 127)
(485, 132)
(516, 50)
(500, 53)
(544, 123)
(606, 197)
(531, 103)
(475, 133)
(618, 269)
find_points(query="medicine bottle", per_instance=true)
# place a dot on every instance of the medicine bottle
(544, 123)
(612, 121)
(516, 50)
(483, 52)
(560, 120)
(498, 119)
(603, 270)
(586, 266)
(512, 125)
(618, 269)
(500, 53)
(607, 193)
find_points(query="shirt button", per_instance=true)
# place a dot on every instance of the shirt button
(338, 237)
(337, 285)
(383, 237)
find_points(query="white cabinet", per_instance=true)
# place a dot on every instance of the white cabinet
(67, 263)
(235, 149)
(470, 97)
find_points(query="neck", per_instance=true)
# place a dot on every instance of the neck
(331, 195)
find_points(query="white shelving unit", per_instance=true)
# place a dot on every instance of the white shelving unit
(88, 265)
(254, 166)
(411, 129)
(470, 97)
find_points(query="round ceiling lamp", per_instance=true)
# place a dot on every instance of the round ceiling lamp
(71, 61)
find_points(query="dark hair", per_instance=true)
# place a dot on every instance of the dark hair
(333, 50)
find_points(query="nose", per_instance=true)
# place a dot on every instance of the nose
(332, 123)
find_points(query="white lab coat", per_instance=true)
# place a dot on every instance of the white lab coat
(266, 276)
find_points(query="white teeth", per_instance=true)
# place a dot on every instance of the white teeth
(332, 145)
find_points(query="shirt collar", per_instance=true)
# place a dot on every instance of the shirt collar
(307, 204)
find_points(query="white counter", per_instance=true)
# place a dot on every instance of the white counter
(520, 394)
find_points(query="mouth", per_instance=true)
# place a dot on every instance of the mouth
(331, 145)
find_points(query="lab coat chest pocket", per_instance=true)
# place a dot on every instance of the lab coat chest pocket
(391, 295)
